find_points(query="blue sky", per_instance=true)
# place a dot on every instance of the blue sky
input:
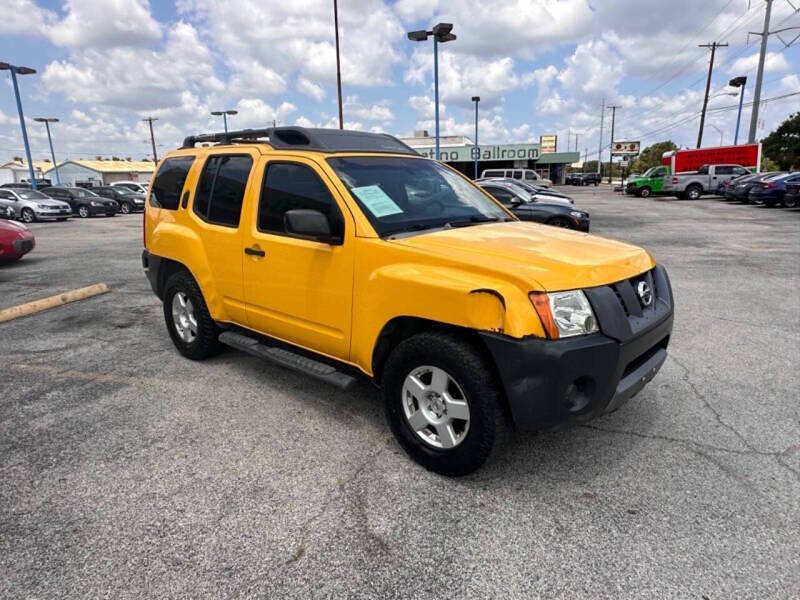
(540, 66)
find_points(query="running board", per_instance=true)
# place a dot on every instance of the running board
(288, 359)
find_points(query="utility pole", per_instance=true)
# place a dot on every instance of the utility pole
(152, 137)
(338, 68)
(585, 155)
(713, 46)
(600, 144)
(576, 142)
(751, 138)
(611, 149)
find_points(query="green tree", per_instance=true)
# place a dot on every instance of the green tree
(651, 156)
(783, 145)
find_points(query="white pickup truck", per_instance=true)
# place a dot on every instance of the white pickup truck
(708, 179)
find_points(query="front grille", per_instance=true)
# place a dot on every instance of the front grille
(620, 311)
(23, 246)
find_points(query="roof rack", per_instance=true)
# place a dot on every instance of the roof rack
(303, 138)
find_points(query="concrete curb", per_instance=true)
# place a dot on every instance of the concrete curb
(31, 308)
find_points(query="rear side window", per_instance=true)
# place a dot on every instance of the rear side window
(493, 173)
(530, 175)
(289, 186)
(220, 191)
(723, 171)
(168, 184)
(516, 174)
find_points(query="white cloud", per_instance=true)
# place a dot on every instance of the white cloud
(310, 89)
(255, 113)
(105, 24)
(376, 112)
(24, 17)
(773, 62)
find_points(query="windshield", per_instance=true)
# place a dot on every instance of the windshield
(408, 194)
(649, 172)
(32, 195)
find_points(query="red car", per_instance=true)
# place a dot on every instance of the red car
(16, 240)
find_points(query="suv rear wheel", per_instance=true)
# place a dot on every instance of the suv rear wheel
(189, 323)
(442, 402)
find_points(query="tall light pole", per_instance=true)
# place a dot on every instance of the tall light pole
(15, 70)
(47, 121)
(152, 137)
(441, 34)
(338, 66)
(713, 46)
(224, 114)
(477, 149)
(613, 109)
(719, 131)
(751, 138)
(738, 82)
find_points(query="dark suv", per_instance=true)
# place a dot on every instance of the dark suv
(84, 203)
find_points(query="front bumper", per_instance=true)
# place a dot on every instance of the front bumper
(58, 213)
(581, 224)
(548, 382)
(103, 210)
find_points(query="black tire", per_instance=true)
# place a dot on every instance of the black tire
(125, 208)
(84, 212)
(789, 202)
(560, 222)
(27, 215)
(474, 374)
(693, 192)
(645, 192)
(205, 343)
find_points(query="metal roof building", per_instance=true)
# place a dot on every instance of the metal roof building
(101, 172)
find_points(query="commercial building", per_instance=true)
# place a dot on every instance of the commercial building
(16, 171)
(459, 152)
(101, 172)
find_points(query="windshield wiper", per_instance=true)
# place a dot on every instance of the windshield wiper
(473, 220)
(414, 227)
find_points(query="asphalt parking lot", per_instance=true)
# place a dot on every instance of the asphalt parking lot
(128, 471)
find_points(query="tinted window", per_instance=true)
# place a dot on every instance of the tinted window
(703, 170)
(516, 174)
(220, 191)
(291, 186)
(723, 171)
(168, 185)
(493, 173)
(739, 171)
(530, 175)
(7, 195)
(506, 197)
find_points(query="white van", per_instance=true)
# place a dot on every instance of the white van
(526, 174)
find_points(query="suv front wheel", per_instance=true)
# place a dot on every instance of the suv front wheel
(189, 323)
(443, 402)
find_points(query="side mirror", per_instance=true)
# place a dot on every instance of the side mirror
(310, 224)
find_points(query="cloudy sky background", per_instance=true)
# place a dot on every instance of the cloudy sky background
(540, 67)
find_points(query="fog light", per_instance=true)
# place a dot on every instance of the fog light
(578, 395)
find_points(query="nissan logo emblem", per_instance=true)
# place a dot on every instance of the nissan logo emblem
(645, 293)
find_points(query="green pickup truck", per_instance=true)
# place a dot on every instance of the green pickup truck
(649, 183)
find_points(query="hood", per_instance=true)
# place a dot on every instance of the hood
(547, 258)
(51, 202)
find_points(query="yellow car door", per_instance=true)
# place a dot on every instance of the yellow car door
(223, 183)
(299, 289)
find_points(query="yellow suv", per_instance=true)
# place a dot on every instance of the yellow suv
(343, 253)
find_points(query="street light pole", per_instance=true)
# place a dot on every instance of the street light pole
(738, 82)
(477, 150)
(22, 71)
(152, 137)
(719, 131)
(224, 114)
(441, 33)
(47, 122)
(338, 67)
(611, 150)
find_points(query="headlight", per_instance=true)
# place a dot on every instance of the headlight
(577, 214)
(43, 206)
(93, 203)
(564, 314)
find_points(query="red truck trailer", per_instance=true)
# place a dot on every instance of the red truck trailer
(681, 161)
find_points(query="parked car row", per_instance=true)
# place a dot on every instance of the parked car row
(530, 203)
(771, 189)
(60, 202)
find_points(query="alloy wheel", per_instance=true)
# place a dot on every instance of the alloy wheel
(435, 407)
(184, 318)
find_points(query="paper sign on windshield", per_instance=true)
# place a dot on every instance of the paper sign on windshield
(376, 200)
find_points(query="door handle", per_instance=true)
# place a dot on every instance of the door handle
(255, 251)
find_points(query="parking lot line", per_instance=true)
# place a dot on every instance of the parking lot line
(30, 308)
